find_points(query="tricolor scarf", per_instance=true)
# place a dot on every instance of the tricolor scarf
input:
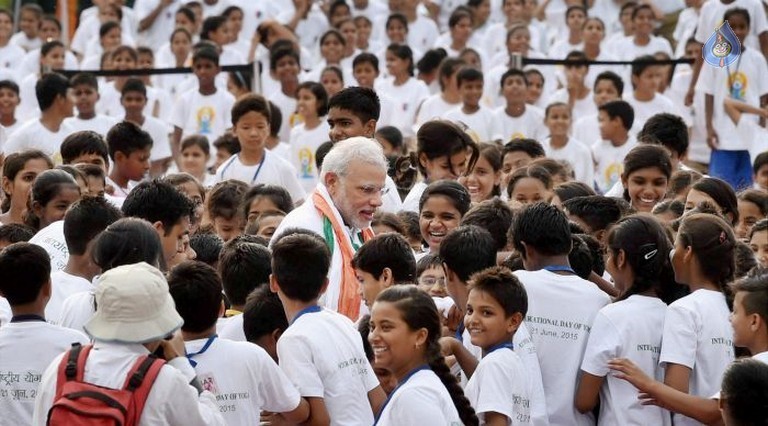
(349, 292)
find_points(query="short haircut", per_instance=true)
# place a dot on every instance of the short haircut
(387, 251)
(134, 85)
(614, 78)
(504, 287)
(108, 26)
(82, 143)
(228, 142)
(84, 79)
(207, 247)
(391, 134)
(760, 161)
(25, 269)
(49, 88)
(755, 289)
(127, 137)
(85, 220)
(279, 52)
(243, 266)
(321, 152)
(275, 119)
(668, 130)
(263, 314)
(212, 23)
(566, 191)
(745, 392)
(596, 211)
(543, 227)
(311, 252)
(468, 74)
(205, 52)
(621, 109)
(278, 195)
(158, 201)
(225, 199)
(366, 58)
(756, 197)
(196, 291)
(493, 215)
(513, 72)
(468, 249)
(410, 221)
(10, 85)
(15, 233)
(642, 63)
(532, 147)
(250, 103)
(35, 8)
(428, 261)
(362, 102)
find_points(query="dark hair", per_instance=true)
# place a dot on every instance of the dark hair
(158, 201)
(225, 198)
(49, 87)
(761, 225)
(279, 52)
(755, 289)
(392, 135)
(712, 241)
(586, 256)
(543, 227)
(504, 287)
(366, 58)
(211, 23)
(199, 141)
(675, 207)
(569, 190)
(513, 72)
(278, 195)
(668, 130)
(737, 11)
(34, 8)
(263, 314)
(275, 120)
(334, 70)
(25, 269)
(492, 154)
(722, 193)
(85, 220)
(495, 216)
(458, 14)
(310, 251)
(48, 46)
(207, 246)
(196, 291)
(448, 67)
(108, 26)
(15, 233)
(83, 142)
(620, 109)
(181, 30)
(228, 142)
(642, 63)
(387, 251)
(745, 392)
(758, 198)
(418, 311)
(10, 85)
(468, 249)
(125, 242)
(429, 260)
(250, 103)
(45, 188)
(127, 137)
(596, 211)
(84, 79)
(430, 60)
(440, 139)
(760, 161)
(532, 147)
(410, 221)
(639, 7)
(321, 96)
(205, 52)
(745, 259)
(130, 51)
(403, 52)
(390, 220)
(360, 101)
(14, 163)
(682, 180)
(468, 74)
(134, 85)
(644, 157)
(242, 267)
(614, 78)
(397, 17)
(531, 171)
(454, 191)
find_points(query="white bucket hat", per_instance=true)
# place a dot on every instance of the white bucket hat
(133, 305)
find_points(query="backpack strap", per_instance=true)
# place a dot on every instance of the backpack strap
(139, 381)
(72, 366)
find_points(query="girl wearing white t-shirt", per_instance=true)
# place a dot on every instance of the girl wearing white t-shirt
(195, 154)
(575, 17)
(449, 98)
(647, 169)
(643, 42)
(698, 340)
(631, 327)
(405, 336)
(306, 137)
(406, 91)
(560, 146)
(499, 389)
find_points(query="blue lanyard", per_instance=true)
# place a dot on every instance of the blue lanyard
(402, 382)
(255, 175)
(27, 318)
(507, 345)
(308, 310)
(460, 332)
(207, 345)
(559, 268)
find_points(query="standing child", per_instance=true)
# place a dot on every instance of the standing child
(647, 169)
(254, 163)
(27, 38)
(9, 101)
(11, 52)
(406, 91)
(608, 86)
(404, 336)
(517, 153)
(517, 119)
(760, 172)
(129, 149)
(223, 208)
(449, 97)
(312, 106)
(576, 93)
(615, 118)
(479, 119)
(646, 101)
(133, 98)
(85, 88)
(642, 42)
(560, 146)
(483, 181)
(321, 352)
(263, 320)
(285, 66)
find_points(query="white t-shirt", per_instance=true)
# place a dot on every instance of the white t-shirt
(698, 335)
(272, 170)
(304, 143)
(581, 107)
(528, 125)
(500, 384)
(99, 124)
(577, 155)
(12, 55)
(322, 353)
(244, 379)
(481, 125)
(422, 400)
(33, 135)
(422, 34)
(159, 130)
(232, 329)
(561, 309)
(51, 238)
(411, 202)
(20, 39)
(198, 114)
(287, 107)
(434, 107)
(77, 310)
(629, 329)
(407, 97)
(308, 30)
(647, 109)
(160, 30)
(609, 161)
(63, 285)
(627, 50)
(711, 16)
(26, 349)
(587, 129)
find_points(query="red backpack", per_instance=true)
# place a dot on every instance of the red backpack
(80, 403)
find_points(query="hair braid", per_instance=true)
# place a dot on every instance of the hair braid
(438, 366)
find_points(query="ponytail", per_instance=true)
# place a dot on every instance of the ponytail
(437, 364)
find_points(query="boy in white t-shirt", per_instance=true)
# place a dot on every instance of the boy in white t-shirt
(85, 88)
(615, 120)
(204, 110)
(133, 99)
(608, 87)
(241, 371)
(518, 120)
(9, 101)
(321, 351)
(129, 149)
(576, 94)
(480, 120)
(30, 17)
(645, 99)
(28, 343)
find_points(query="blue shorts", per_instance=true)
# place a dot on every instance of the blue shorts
(734, 167)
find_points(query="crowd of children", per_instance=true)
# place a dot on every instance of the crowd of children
(390, 222)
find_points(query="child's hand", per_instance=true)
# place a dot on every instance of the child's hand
(627, 370)
(455, 317)
(713, 140)
(448, 345)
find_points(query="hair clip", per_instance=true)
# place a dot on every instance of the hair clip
(650, 254)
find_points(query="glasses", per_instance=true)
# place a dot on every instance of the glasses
(371, 190)
(431, 281)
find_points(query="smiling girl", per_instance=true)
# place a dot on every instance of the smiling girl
(19, 171)
(647, 169)
(312, 106)
(52, 192)
(441, 207)
(406, 91)
(528, 185)
(484, 179)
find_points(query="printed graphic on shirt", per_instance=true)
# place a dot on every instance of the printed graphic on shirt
(205, 117)
(307, 163)
(19, 385)
(737, 82)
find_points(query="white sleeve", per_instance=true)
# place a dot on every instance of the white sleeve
(414, 407)
(295, 357)
(702, 33)
(602, 346)
(679, 341)
(278, 392)
(174, 401)
(180, 112)
(292, 185)
(759, 22)
(15, 143)
(493, 395)
(46, 392)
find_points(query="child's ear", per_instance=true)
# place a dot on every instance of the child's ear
(386, 277)
(369, 128)
(222, 309)
(37, 209)
(159, 227)
(7, 186)
(273, 285)
(119, 156)
(325, 286)
(514, 321)
(423, 160)
(276, 333)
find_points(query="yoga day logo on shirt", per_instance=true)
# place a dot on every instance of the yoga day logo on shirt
(722, 48)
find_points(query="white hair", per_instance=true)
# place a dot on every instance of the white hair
(358, 148)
